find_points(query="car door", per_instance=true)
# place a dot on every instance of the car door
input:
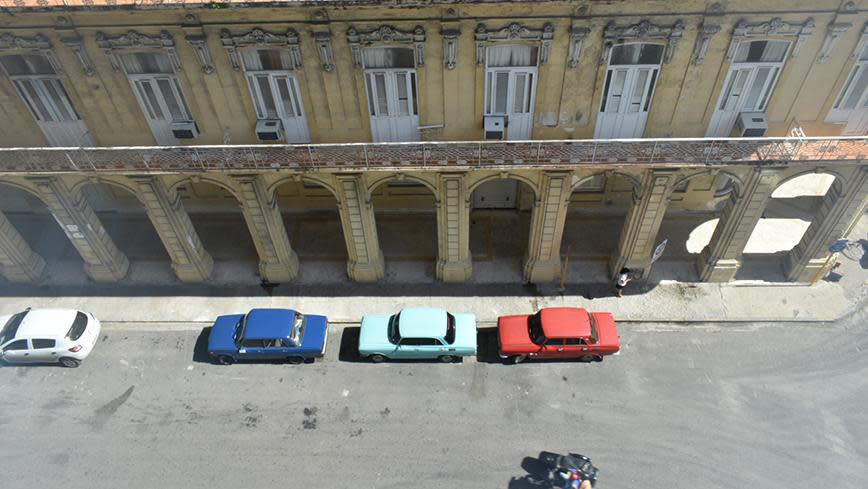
(575, 347)
(43, 350)
(251, 350)
(407, 348)
(553, 348)
(17, 351)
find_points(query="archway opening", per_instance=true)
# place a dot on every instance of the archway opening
(37, 226)
(595, 218)
(313, 223)
(793, 206)
(500, 216)
(124, 218)
(219, 221)
(406, 216)
(691, 217)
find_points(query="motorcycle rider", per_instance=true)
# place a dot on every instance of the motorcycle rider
(574, 480)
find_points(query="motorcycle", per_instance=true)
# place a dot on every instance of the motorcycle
(561, 467)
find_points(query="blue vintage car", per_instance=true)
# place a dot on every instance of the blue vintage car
(417, 333)
(268, 334)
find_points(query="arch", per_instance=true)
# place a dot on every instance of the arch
(206, 179)
(401, 176)
(637, 186)
(100, 179)
(505, 176)
(26, 188)
(814, 171)
(272, 188)
(737, 181)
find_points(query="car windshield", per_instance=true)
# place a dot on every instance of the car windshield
(593, 338)
(78, 326)
(297, 332)
(450, 329)
(534, 329)
(582, 466)
(239, 329)
(394, 337)
(11, 327)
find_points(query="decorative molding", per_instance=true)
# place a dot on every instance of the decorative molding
(834, 32)
(260, 38)
(703, 39)
(76, 44)
(386, 34)
(863, 39)
(450, 47)
(514, 32)
(643, 31)
(136, 40)
(37, 43)
(577, 39)
(323, 42)
(774, 27)
(203, 54)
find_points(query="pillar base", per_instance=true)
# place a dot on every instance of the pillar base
(24, 273)
(640, 268)
(103, 273)
(279, 272)
(454, 271)
(808, 272)
(200, 272)
(540, 271)
(716, 270)
(368, 271)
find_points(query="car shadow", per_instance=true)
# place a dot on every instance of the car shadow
(349, 350)
(487, 350)
(200, 349)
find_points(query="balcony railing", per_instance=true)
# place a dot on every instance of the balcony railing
(486, 154)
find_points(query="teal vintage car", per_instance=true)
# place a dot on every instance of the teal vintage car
(418, 333)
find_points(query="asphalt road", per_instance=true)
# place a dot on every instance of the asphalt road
(768, 406)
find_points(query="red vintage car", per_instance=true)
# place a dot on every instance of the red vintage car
(558, 332)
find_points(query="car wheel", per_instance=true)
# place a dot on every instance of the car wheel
(70, 362)
(587, 358)
(225, 360)
(446, 358)
(295, 360)
(598, 358)
(377, 358)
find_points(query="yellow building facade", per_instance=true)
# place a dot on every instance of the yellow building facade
(342, 81)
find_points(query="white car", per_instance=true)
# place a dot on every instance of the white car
(48, 336)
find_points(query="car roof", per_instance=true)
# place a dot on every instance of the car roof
(422, 322)
(263, 324)
(565, 322)
(47, 323)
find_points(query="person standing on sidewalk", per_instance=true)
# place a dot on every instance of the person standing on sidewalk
(623, 279)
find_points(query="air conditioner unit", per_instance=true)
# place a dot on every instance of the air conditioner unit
(750, 125)
(185, 130)
(494, 126)
(269, 130)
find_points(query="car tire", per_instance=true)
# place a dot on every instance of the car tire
(587, 358)
(377, 358)
(295, 360)
(598, 358)
(225, 360)
(517, 359)
(69, 362)
(446, 359)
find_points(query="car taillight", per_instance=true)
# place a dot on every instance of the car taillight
(75, 348)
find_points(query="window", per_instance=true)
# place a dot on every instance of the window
(39, 344)
(394, 337)
(502, 56)
(761, 52)
(146, 63)
(26, 64)
(16, 346)
(575, 342)
(388, 58)
(297, 332)
(555, 342)
(266, 60)
(420, 342)
(252, 344)
(10, 329)
(636, 54)
(450, 329)
(78, 326)
(534, 327)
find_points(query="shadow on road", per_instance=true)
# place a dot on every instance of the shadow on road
(200, 349)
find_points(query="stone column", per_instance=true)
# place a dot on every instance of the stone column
(103, 261)
(543, 257)
(639, 235)
(18, 263)
(842, 206)
(166, 211)
(454, 262)
(721, 258)
(277, 260)
(366, 262)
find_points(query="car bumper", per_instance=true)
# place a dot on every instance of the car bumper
(325, 340)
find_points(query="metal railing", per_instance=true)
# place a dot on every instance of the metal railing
(478, 154)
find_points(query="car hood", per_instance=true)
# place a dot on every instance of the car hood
(465, 331)
(315, 331)
(223, 332)
(606, 330)
(374, 332)
(512, 333)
